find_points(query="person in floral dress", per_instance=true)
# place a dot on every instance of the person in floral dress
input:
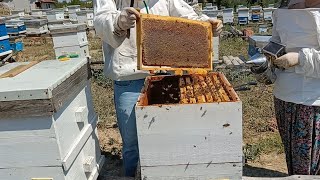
(297, 88)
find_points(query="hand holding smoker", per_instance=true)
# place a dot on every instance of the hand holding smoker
(265, 73)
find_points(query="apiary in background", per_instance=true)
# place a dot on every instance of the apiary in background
(188, 126)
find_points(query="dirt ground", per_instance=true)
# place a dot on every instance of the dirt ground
(262, 144)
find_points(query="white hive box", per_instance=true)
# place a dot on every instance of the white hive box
(55, 15)
(82, 17)
(228, 16)
(189, 141)
(36, 26)
(20, 13)
(48, 124)
(267, 14)
(73, 16)
(71, 38)
(73, 8)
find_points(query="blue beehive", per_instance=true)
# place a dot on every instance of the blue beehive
(255, 17)
(16, 27)
(17, 46)
(4, 45)
(243, 20)
(3, 29)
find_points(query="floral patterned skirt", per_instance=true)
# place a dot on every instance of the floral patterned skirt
(299, 127)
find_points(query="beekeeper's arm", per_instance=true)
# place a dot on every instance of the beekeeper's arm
(111, 25)
(179, 8)
(309, 63)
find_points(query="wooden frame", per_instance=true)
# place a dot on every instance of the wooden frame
(141, 66)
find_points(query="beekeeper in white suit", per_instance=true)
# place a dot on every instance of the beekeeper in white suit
(297, 88)
(115, 23)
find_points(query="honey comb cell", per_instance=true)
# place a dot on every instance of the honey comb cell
(169, 43)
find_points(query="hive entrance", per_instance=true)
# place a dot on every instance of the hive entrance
(188, 89)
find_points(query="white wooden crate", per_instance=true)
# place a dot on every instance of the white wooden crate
(47, 123)
(36, 26)
(228, 16)
(55, 15)
(190, 141)
(69, 35)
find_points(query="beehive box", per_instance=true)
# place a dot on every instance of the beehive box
(15, 27)
(55, 15)
(47, 123)
(188, 126)
(228, 16)
(36, 26)
(70, 38)
(73, 8)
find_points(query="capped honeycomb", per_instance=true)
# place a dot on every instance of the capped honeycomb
(170, 42)
(187, 89)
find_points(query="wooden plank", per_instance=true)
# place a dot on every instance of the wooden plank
(227, 61)
(29, 108)
(19, 69)
(239, 61)
(223, 171)
(68, 89)
(234, 61)
(198, 133)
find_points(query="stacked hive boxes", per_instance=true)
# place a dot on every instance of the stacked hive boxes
(5, 48)
(188, 126)
(36, 26)
(85, 16)
(72, 12)
(70, 39)
(48, 123)
(15, 27)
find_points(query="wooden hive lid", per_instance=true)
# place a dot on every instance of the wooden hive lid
(170, 43)
(43, 88)
(67, 28)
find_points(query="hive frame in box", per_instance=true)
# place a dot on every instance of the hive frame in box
(141, 66)
(190, 141)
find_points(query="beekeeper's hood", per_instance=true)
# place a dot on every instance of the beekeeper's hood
(298, 28)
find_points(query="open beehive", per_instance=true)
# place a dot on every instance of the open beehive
(187, 89)
(188, 126)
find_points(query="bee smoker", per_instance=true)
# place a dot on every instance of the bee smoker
(265, 72)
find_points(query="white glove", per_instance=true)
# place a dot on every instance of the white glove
(287, 61)
(216, 27)
(127, 18)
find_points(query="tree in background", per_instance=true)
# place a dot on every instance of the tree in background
(82, 4)
(248, 3)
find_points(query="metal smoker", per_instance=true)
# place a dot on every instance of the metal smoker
(265, 72)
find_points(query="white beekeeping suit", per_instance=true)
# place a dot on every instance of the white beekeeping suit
(299, 30)
(120, 53)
